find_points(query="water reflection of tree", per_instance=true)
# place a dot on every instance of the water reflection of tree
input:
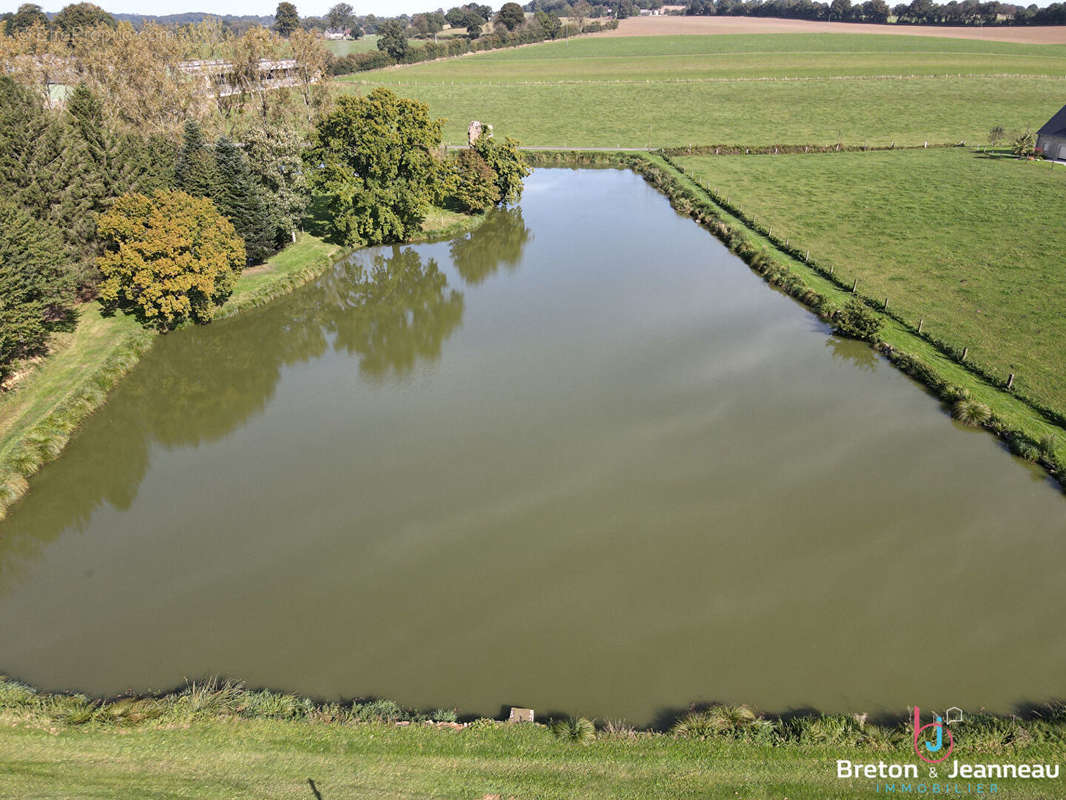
(394, 313)
(200, 384)
(858, 353)
(498, 240)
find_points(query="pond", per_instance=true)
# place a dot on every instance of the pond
(581, 460)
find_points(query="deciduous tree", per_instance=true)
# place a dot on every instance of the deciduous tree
(82, 15)
(472, 183)
(507, 165)
(392, 39)
(340, 17)
(375, 159)
(170, 256)
(473, 23)
(511, 15)
(549, 23)
(311, 58)
(286, 20)
(274, 156)
(28, 15)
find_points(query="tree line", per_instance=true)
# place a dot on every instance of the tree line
(509, 28)
(917, 12)
(156, 204)
(155, 78)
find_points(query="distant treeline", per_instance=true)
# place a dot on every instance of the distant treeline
(918, 12)
(543, 27)
(233, 21)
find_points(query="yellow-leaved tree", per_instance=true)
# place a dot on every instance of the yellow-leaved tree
(170, 257)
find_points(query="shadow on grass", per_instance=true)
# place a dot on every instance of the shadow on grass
(316, 222)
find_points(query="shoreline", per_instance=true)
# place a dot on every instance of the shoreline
(222, 740)
(1017, 422)
(45, 412)
(234, 697)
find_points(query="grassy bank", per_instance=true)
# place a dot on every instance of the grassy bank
(38, 416)
(1028, 430)
(972, 253)
(223, 741)
(671, 91)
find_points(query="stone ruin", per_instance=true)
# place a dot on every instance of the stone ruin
(473, 133)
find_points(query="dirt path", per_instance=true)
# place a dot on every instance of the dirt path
(671, 26)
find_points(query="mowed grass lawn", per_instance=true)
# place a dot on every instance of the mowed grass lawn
(668, 91)
(972, 244)
(264, 759)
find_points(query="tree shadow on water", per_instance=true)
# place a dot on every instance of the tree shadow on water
(858, 353)
(199, 384)
(499, 240)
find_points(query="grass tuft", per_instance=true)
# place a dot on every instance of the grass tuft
(576, 731)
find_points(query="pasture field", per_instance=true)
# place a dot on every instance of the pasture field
(369, 42)
(345, 47)
(959, 238)
(672, 91)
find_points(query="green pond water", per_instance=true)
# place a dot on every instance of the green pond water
(581, 460)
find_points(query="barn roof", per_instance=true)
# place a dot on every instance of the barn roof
(1056, 126)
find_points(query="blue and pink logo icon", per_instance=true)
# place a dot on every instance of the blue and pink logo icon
(937, 744)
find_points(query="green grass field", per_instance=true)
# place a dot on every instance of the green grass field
(952, 236)
(345, 47)
(668, 91)
(76, 356)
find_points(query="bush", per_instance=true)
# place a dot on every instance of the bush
(170, 257)
(506, 163)
(472, 183)
(970, 412)
(379, 711)
(728, 721)
(857, 322)
(1025, 145)
(579, 731)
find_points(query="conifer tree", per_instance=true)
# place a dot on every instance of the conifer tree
(99, 165)
(30, 149)
(34, 287)
(88, 158)
(196, 172)
(243, 201)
